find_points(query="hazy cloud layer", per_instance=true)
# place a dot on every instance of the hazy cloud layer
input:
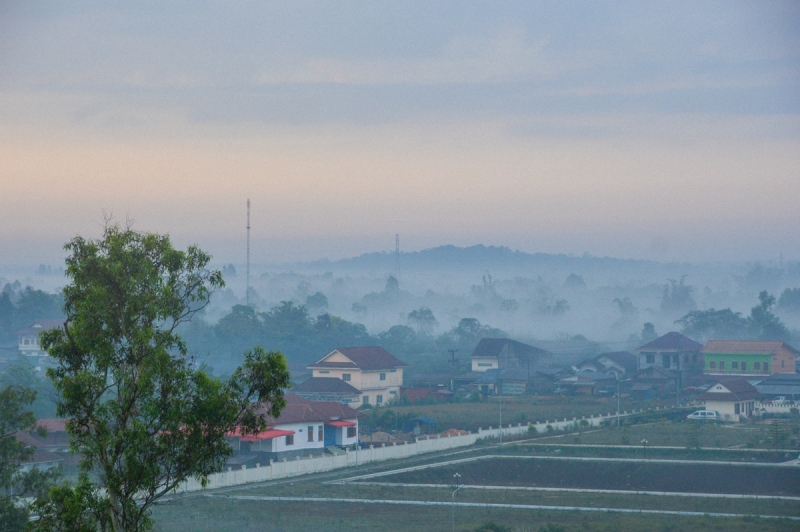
(665, 131)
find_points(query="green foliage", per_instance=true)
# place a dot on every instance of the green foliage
(78, 508)
(677, 296)
(649, 333)
(142, 416)
(20, 372)
(424, 319)
(317, 302)
(713, 323)
(21, 307)
(16, 417)
(790, 300)
(492, 527)
(763, 324)
(776, 435)
(551, 527)
(693, 436)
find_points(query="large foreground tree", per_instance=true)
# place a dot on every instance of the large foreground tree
(143, 417)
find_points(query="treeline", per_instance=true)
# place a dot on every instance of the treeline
(762, 324)
(19, 307)
(303, 339)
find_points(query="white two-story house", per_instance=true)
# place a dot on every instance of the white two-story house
(375, 372)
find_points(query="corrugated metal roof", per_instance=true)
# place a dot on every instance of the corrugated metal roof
(746, 347)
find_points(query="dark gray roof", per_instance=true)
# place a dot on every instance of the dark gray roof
(672, 341)
(491, 347)
(325, 385)
(365, 358)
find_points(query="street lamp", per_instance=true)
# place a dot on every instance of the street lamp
(644, 446)
(501, 418)
(456, 477)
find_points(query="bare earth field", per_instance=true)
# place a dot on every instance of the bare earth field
(633, 475)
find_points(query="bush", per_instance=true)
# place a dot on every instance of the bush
(492, 527)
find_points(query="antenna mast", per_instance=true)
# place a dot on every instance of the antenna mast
(247, 292)
(397, 255)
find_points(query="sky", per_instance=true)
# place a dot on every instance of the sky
(653, 130)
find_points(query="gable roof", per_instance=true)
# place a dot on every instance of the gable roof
(623, 358)
(325, 385)
(372, 358)
(733, 390)
(299, 410)
(672, 341)
(749, 347)
(41, 325)
(492, 347)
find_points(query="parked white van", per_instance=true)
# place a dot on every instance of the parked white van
(708, 415)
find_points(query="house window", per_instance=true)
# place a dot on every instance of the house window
(365, 399)
(736, 409)
(320, 433)
(290, 439)
(712, 365)
(378, 399)
(346, 377)
(484, 364)
(757, 365)
(651, 358)
(766, 367)
(324, 372)
(383, 376)
(392, 392)
(735, 365)
(392, 371)
(310, 433)
(351, 432)
(665, 361)
(744, 366)
(722, 365)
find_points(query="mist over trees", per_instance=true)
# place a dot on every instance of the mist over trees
(448, 298)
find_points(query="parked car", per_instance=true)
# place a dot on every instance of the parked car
(705, 415)
(780, 400)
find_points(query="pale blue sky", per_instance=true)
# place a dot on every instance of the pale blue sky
(664, 130)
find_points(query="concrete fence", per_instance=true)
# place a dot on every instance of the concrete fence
(774, 408)
(286, 468)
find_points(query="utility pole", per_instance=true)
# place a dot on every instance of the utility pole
(452, 356)
(247, 289)
(397, 255)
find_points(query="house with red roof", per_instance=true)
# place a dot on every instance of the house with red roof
(373, 371)
(304, 427)
(749, 358)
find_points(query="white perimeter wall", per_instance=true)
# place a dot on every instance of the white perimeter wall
(325, 462)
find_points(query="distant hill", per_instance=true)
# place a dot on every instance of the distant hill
(480, 257)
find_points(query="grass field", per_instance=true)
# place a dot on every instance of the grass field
(471, 416)
(205, 514)
(686, 434)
